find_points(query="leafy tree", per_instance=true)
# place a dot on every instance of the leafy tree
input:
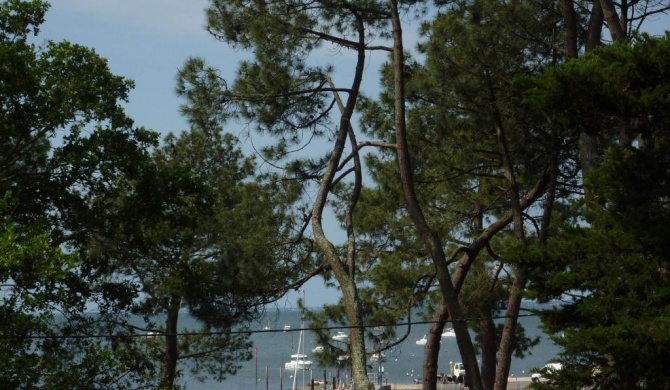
(610, 266)
(583, 30)
(93, 221)
(65, 143)
(280, 93)
(197, 230)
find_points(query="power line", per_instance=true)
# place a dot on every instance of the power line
(158, 333)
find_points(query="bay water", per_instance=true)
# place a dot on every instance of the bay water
(403, 365)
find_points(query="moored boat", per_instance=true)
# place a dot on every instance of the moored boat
(298, 362)
(341, 336)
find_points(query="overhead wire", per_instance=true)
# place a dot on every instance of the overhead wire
(153, 333)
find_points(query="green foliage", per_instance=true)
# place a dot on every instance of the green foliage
(454, 98)
(284, 91)
(621, 82)
(481, 60)
(65, 146)
(610, 267)
(198, 230)
(94, 220)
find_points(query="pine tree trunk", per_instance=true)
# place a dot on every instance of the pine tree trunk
(432, 350)
(169, 365)
(429, 237)
(489, 348)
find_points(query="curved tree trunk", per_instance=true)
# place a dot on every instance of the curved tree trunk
(461, 270)
(430, 238)
(344, 269)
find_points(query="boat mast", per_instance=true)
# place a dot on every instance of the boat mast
(301, 354)
(298, 359)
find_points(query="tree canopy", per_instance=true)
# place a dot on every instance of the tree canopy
(65, 143)
(105, 232)
(609, 266)
(471, 175)
(513, 150)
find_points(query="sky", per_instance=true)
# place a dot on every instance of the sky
(148, 41)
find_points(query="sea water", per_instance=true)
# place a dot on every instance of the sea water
(403, 365)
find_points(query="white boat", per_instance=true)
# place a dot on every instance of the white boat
(298, 362)
(318, 349)
(341, 336)
(548, 368)
(449, 333)
(287, 328)
(378, 357)
(422, 341)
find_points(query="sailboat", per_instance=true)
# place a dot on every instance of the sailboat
(298, 360)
